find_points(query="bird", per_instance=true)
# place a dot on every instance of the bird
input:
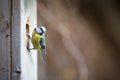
(38, 40)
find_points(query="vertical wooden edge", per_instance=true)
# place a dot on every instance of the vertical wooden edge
(15, 38)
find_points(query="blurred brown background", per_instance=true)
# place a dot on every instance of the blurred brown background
(82, 38)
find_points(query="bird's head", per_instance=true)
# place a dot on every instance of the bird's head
(40, 29)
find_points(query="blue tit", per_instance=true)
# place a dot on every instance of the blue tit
(37, 39)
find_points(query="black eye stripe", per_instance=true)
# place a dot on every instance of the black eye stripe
(41, 30)
(35, 29)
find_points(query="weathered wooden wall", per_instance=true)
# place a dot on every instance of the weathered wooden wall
(16, 63)
(5, 61)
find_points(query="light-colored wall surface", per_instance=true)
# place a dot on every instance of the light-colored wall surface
(28, 59)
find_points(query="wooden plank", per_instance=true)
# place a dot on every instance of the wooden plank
(5, 40)
(16, 39)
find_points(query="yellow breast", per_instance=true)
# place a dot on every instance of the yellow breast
(35, 40)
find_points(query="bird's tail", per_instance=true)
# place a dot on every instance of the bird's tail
(43, 55)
